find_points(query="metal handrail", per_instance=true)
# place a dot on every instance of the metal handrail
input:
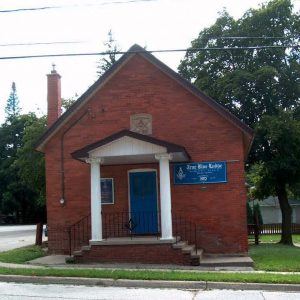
(128, 223)
(131, 224)
(185, 230)
(79, 233)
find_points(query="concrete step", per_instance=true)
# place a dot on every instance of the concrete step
(226, 261)
(196, 257)
(199, 254)
(77, 253)
(188, 249)
(179, 245)
(70, 259)
(86, 248)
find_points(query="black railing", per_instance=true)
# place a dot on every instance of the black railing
(185, 230)
(124, 224)
(131, 224)
(79, 234)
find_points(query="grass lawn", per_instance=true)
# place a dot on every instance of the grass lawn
(267, 256)
(275, 257)
(21, 255)
(158, 275)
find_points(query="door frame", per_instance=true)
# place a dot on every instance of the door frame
(128, 184)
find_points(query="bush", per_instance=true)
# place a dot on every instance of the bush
(249, 214)
(256, 210)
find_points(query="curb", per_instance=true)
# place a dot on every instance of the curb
(254, 286)
(189, 285)
(106, 282)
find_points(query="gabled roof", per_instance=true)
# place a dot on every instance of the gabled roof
(138, 50)
(180, 153)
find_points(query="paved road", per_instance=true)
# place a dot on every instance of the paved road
(13, 291)
(16, 236)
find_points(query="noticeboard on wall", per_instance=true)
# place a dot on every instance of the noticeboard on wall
(107, 190)
(200, 172)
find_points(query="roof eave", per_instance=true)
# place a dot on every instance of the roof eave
(76, 106)
(152, 59)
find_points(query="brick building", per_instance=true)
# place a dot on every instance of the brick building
(144, 168)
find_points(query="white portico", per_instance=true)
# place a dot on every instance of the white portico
(127, 147)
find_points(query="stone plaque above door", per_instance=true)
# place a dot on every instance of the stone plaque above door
(141, 123)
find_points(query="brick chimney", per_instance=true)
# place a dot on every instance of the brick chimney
(53, 97)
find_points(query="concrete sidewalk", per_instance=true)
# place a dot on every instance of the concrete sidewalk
(224, 263)
(129, 283)
(58, 261)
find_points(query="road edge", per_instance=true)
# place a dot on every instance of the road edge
(191, 285)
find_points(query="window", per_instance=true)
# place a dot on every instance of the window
(107, 190)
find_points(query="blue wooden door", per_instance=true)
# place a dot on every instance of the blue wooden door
(143, 202)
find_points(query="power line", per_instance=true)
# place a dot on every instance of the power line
(41, 43)
(252, 37)
(28, 9)
(151, 51)
(70, 6)
(206, 39)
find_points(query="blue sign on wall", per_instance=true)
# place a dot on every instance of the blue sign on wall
(200, 172)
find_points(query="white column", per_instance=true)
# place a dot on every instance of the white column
(96, 217)
(165, 196)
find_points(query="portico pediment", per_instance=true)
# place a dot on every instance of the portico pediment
(126, 147)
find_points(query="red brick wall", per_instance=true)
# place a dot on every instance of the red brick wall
(149, 254)
(53, 97)
(178, 117)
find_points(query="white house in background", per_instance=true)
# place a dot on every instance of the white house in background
(271, 213)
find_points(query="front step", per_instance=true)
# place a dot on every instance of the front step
(187, 249)
(219, 262)
(128, 250)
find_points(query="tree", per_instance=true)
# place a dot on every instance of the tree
(22, 180)
(257, 212)
(249, 214)
(279, 167)
(12, 108)
(15, 196)
(249, 82)
(30, 163)
(67, 103)
(253, 83)
(111, 49)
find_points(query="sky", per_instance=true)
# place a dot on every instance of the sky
(83, 26)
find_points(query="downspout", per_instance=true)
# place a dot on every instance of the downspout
(62, 162)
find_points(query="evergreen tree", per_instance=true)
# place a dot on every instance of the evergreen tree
(12, 108)
(257, 211)
(108, 60)
(249, 214)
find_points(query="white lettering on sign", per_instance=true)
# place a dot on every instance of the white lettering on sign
(191, 167)
(202, 167)
(214, 166)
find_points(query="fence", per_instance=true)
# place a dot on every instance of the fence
(275, 228)
(254, 230)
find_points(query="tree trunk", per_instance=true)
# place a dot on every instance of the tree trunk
(286, 212)
(39, 234)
